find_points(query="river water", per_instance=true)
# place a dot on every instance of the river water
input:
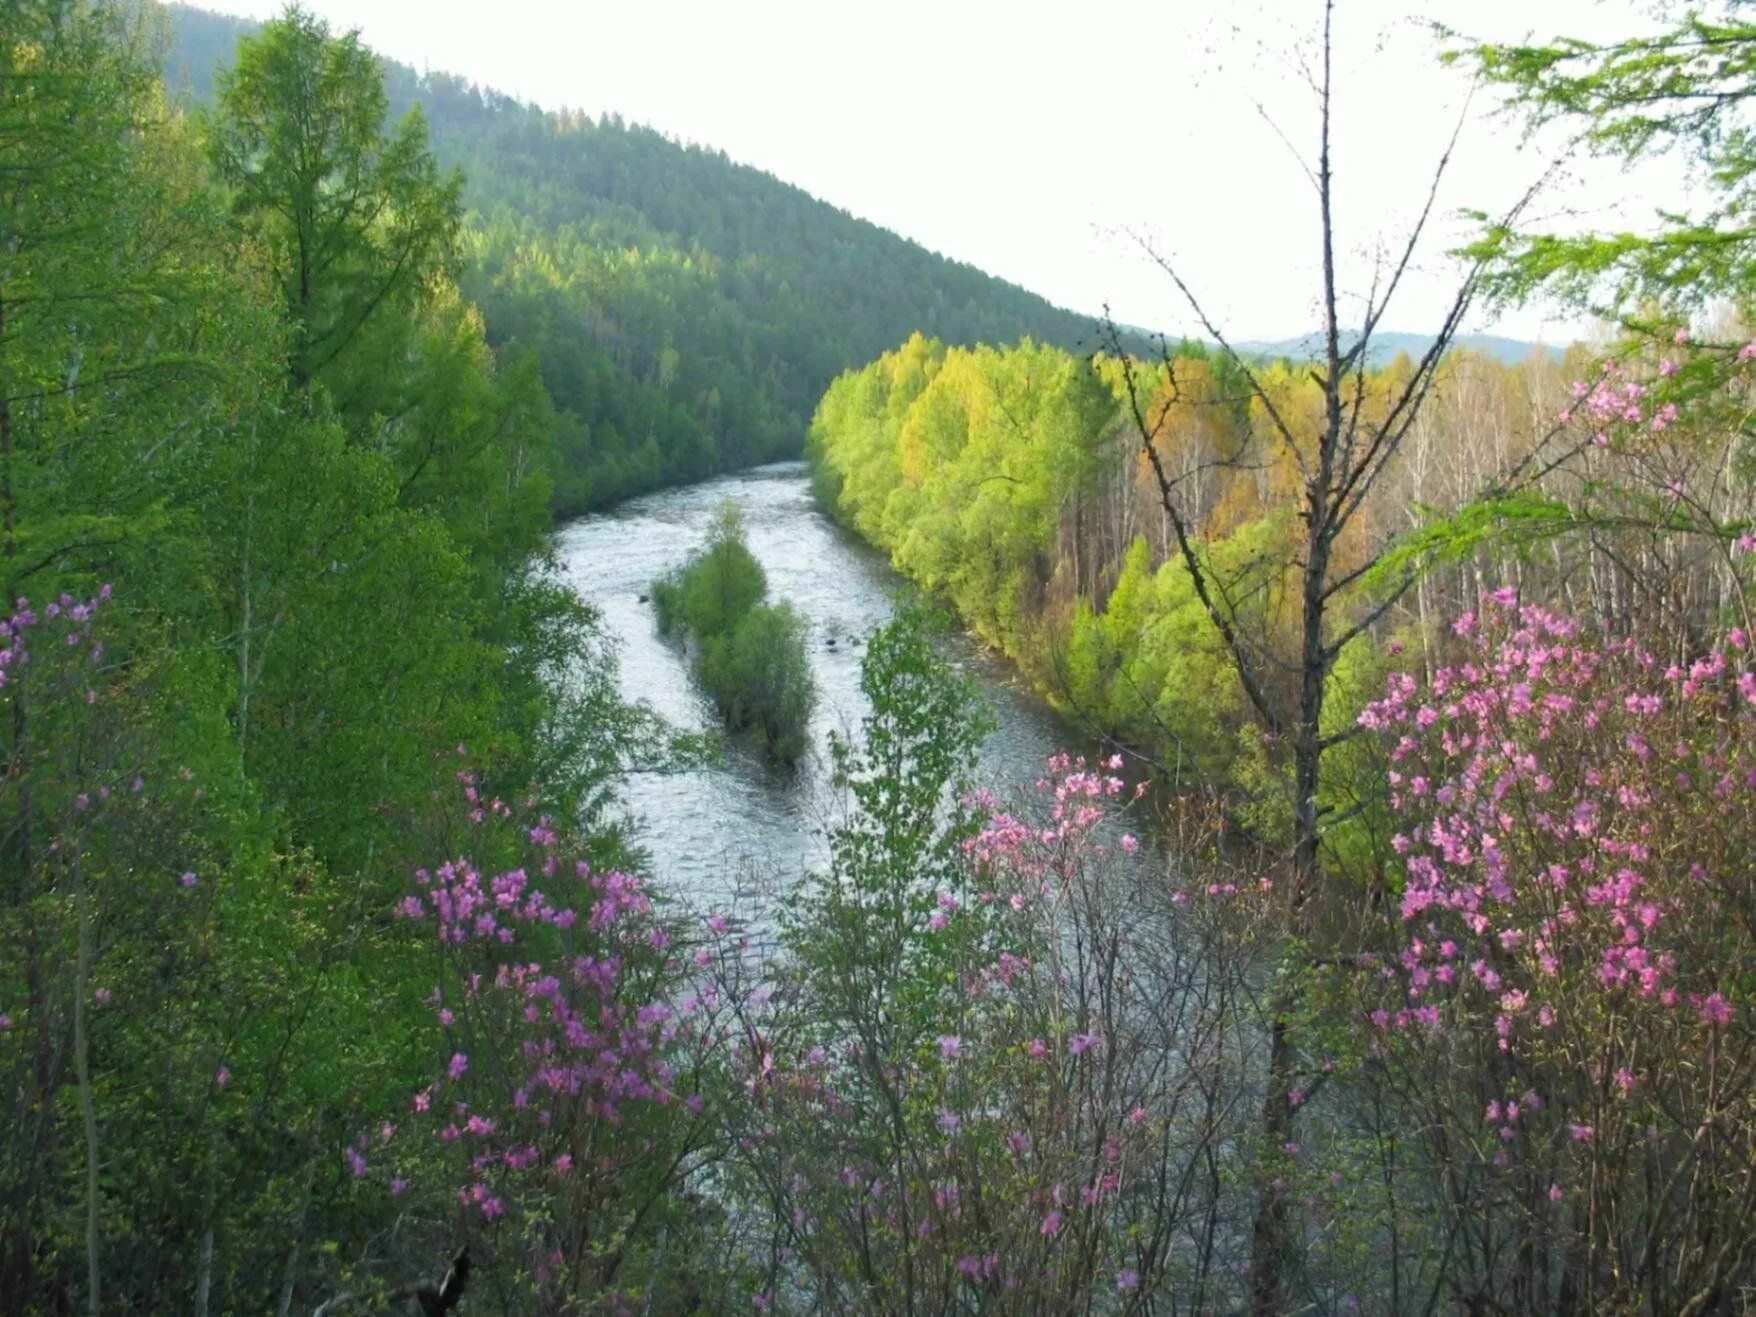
(740, 831)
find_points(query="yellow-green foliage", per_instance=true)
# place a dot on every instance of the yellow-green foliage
(982, 471)
(958, 463)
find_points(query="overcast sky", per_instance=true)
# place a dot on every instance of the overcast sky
(1044, 143)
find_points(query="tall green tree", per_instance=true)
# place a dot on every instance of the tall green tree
(355, 221)
(111, 322)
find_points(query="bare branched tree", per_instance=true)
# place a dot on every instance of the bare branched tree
(1285, 680)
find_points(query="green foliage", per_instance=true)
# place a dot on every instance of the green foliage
(960, 463)
(1686, 85)
(711, 592)
(237, 381)
(857, 929)
(973, 469)
(750, 656)
(760, 678)
(685, 313)
(354, 222)
(1509, 522)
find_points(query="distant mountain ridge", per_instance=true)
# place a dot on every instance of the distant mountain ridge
(686, 312)
(1386, 346)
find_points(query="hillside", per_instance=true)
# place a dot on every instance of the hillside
(686, 311)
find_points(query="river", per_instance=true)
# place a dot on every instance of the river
(740, 831)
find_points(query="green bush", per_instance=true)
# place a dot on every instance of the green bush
(711, 592)
(750, 656)
(760, 678)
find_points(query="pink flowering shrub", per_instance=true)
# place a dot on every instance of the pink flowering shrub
(1574, 983)
(1045, 1136)
(566, 1110)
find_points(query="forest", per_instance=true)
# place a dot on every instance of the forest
(1012, 484)
(684, 312)
(1381, 942)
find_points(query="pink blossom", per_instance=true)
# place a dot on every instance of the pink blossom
(1716, 1011)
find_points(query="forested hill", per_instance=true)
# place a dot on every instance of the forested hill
(687, 311)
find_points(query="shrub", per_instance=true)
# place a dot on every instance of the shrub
(710, 593)
(569, 1110)
(1573, 1017)
(760, 678)
(750, 656)
(993, 1072)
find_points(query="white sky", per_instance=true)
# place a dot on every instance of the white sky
(1031, 140)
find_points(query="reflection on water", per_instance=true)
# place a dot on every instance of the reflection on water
(718, 834)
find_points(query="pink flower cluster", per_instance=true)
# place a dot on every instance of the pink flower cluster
(1574, 815)
(579, 1042)
(1081, 798)
(77, 614)
(1617, 407)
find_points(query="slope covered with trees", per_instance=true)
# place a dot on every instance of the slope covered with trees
(1012, 484)
(684, 312)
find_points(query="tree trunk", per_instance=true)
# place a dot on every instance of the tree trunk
(87, 1106)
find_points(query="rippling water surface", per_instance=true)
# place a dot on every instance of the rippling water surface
(741, 829)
